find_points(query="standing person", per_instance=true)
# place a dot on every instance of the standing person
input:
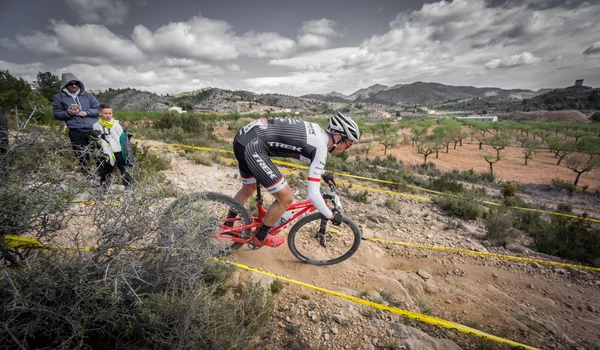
(79, 110)
(262, 139)
(111, 137)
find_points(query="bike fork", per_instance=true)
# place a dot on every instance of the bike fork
(321, 233)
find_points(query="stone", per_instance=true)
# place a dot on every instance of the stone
(516, 248)
(591, 308)
(339, 319)
(424, 274)
(334, 330)
(366, 233)
(431, 288)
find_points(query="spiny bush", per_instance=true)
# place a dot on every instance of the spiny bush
(362, 197)
(133, 290)
(508, 189)
(499, 226)
(463, 206)
(446, 184)
(568, 238)
(564, 208)
(392, 204)
(199, 158)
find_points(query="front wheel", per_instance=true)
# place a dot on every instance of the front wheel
(316, 241)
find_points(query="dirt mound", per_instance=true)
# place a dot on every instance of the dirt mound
(567, 116)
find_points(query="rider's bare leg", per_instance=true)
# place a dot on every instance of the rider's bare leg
(284, 199)
(245, 193)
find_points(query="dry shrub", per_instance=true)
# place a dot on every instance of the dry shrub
(127, 292)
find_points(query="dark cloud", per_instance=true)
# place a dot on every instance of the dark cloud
(593, 50)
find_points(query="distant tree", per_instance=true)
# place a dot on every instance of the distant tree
(47, 85)
(14, 92)
(531, 147)
(427, 146)
(581, 163)
(589, 145)
(499, 142)
(367, 147)
(388, 142)
(560, 147)
(383, 127)
(484, 112)
(398, 114)
(491, 160)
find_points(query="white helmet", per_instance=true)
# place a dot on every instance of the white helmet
(345, 126)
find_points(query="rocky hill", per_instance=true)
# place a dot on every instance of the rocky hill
(376, 97)
(135, 100)
(428, 93)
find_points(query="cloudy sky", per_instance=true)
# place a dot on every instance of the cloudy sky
(299, 47)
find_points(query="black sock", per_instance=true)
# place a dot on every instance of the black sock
(262, 232)
(230, 215)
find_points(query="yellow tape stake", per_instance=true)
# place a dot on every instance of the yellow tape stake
(413, 315)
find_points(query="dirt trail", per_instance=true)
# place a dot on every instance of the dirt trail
(530, 303)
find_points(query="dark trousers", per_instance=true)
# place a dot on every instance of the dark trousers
(106, 170)
(80, 140)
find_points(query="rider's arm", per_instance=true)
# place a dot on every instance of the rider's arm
(316, 170)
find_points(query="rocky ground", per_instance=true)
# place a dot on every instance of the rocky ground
(535, 304)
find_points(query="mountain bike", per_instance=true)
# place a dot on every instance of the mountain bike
(199, 221)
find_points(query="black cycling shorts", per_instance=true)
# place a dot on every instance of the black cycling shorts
(254, 162)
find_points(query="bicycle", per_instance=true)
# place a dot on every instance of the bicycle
(198, 221)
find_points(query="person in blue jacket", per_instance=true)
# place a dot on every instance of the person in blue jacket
(79, 110)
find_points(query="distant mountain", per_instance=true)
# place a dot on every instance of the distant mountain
(364, 94)
(328, 98)
(429, 93)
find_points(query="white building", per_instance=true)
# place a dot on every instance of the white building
(177, 109)
(481, 118)
(379, 115)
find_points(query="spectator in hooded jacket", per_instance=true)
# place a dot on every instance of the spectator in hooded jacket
(110, 139)
(79, 110)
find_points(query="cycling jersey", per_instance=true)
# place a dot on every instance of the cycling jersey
(263, 138)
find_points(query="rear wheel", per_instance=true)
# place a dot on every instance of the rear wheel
(316, 241)
(191, 223)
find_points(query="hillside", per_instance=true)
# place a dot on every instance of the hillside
(135, 100)
(429, 93)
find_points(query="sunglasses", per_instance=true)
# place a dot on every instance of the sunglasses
(348, 143)
(71, 84)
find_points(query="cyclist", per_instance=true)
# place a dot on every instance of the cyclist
(256, 142)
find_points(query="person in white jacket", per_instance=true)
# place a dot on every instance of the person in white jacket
(110, 141)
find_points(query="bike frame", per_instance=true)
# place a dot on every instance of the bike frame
(233, 233)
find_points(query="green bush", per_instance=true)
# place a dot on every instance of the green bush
(362, 197)
(199, 157)
(460, 205)
(499, 226)
(392, 204)
(508, 189)
(515, 201)
(276, 286)
(564, 208)
(564, 185)
(446, 184)
(568, 238)
(524, 220)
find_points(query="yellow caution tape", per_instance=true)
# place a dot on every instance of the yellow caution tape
(413, 315)
(472, 252)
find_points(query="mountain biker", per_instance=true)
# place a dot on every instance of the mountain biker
(261, 139)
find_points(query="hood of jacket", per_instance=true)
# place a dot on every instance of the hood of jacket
(67, 77)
